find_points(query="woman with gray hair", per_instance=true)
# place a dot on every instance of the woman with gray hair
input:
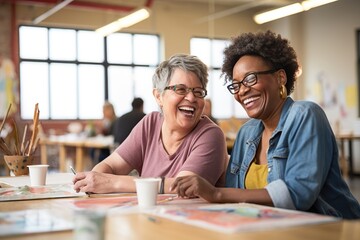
(177, 141)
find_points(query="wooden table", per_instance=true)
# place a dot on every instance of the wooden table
(79, 144)
(347, 167)
(138, 225)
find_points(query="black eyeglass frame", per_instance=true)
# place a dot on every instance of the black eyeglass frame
(234, 88)
(194, 90)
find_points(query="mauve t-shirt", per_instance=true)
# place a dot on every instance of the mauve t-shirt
(203, 151)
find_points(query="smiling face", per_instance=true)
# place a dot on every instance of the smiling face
(181, 112)
(262, 100)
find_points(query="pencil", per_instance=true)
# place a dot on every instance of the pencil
(74, 172)
(167, 199)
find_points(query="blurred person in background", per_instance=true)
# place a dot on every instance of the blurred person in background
(208, 110)
(106, 128)
(125, 123)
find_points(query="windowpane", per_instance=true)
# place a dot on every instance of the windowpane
(239, 110)
(222, 100)
(34, 89)
(91, 91)
(119, 48)
(146, 49)
(143, 83)
(210, 51)
(90, 47)
(33, 42)
(62, 44)
(200, 47)
(66, 88)
(63, 91)
(121, 87)
(217, 55)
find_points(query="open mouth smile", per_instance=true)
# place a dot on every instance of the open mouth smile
(189, 111)
(250, 100)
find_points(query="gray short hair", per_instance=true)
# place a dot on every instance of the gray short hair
(165, 70)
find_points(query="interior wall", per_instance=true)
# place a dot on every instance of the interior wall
(330, 51)
(5, 27)
(325, 41)
(330, 70)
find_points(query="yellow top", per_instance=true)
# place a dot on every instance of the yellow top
(256, 177)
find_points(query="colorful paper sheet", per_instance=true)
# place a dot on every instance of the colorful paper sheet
(96, 201)
(230, 218)
(41, 192)
(32, 221)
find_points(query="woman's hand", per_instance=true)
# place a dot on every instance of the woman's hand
(93, 182)
(195, 186)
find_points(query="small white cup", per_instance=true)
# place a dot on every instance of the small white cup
(38, 174)
(147, 190)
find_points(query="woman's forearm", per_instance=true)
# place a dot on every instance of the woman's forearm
(257, 196)
(102, 167)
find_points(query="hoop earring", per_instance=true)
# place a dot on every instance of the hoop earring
(283, 92)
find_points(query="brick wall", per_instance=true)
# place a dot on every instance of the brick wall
(5, 29)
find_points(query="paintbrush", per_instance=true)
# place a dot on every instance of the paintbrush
(35, 128)
(16, 136)
(4, 120)
(4, 147)
(22, 148)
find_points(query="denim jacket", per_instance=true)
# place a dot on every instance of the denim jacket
(303, 167)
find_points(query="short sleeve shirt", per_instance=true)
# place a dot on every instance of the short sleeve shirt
(203, 151)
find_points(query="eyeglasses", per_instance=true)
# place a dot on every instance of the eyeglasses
(182, 89)
(248, 81)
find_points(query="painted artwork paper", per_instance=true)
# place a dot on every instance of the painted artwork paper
(231, 218)
(96, 201)
(41, 192)
(32, 221)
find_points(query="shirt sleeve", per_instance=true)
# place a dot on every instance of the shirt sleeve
(208, 154)
(311, 150)
(280, 194)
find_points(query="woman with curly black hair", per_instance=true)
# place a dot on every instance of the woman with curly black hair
(286, 155)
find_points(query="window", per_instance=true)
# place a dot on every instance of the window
(71, 72)
(210, 51)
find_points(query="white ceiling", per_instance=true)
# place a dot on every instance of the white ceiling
(240, 4)
(230, 6)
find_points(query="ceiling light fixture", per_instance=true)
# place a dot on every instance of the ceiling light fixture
(127, 21)
(53, 10)
(289, 10)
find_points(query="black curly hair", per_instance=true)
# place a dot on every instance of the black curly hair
(275, 50)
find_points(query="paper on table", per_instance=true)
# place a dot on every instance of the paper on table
(51, 178)
(40, 192)
(32, 221)
(230, 218)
